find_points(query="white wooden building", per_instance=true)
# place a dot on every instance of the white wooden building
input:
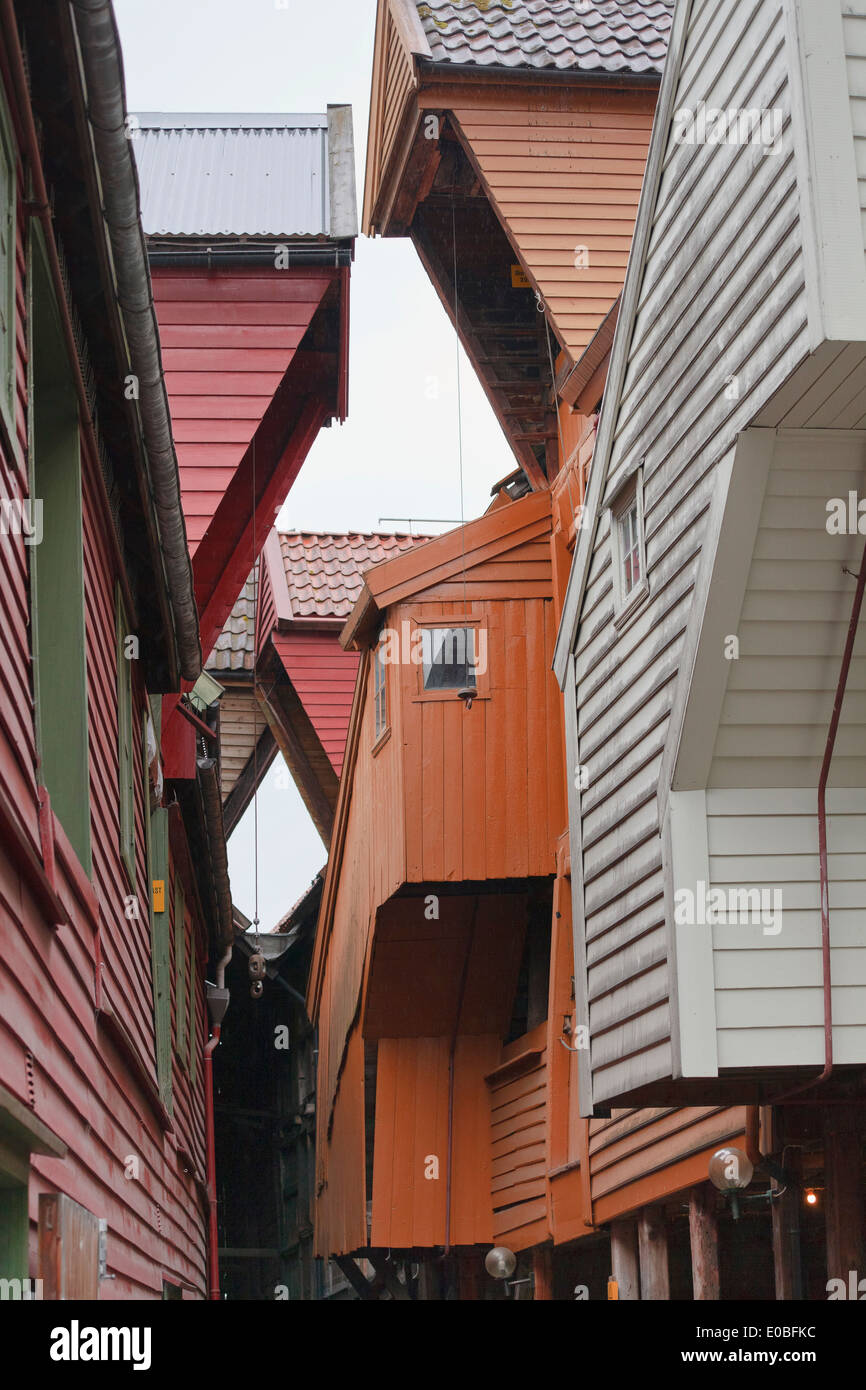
(714, 578)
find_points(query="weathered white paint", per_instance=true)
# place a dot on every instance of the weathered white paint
(768, 988)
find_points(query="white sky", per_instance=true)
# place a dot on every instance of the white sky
(396, 456)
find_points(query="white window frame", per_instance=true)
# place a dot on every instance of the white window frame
(629, 497)
(380, 696)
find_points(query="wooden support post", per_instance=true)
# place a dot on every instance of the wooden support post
(843, 1192)
(652, 1234)
(624, 1258)
(542, 1269)
(704, 1235)
(786, 1231)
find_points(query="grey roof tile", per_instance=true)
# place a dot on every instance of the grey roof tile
(611, 36)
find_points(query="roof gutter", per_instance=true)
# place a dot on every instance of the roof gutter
(99, 47)
(578, 77)
(216, 255)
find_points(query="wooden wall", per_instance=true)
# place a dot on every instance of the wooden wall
(563, 166)
(854, 27)
(57, 1056)
(724, 265)
(227, 340)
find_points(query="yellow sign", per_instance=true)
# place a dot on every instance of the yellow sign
(612, 1289)
(159, 895)
(519, 279)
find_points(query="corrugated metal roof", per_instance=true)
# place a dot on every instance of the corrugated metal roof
(233, 175)
(612, 36)
(324, 572)
(236, 645)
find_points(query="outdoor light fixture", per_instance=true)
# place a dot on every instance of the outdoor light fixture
(467, 695)
(205, 692)
(730, 1171)
(217, 1003)
(811, 1197)
(500, 1262)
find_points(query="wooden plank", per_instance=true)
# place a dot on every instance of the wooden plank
(653, 1248)
(624, 1259)
(704, 1236)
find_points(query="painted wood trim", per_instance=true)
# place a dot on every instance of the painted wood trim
(622, 341)
(408, 24)
(7, 289)
(578, 921)
(690, 962)
(720, 588)
(826, 173)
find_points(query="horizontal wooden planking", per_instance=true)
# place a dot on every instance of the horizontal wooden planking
(722, 293)
(221, 365)
(570, 173)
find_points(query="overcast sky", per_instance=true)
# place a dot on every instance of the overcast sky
(396, 456)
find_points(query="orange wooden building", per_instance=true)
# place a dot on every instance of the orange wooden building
(515, 167)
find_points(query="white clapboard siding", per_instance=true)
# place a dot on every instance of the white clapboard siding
(854, 29)
(722, 295)
(793, 626)
(768, 988)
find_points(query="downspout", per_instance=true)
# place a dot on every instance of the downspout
(822, 837)
(99, 45)
(210, 1140)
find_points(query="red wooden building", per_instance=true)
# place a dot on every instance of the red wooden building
(113, 879)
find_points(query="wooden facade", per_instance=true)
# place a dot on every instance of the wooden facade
(109, 878)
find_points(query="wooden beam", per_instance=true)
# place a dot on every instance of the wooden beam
(251, 777)
(785, 1210)
(278, 715)
(704, 1235)
(542, 1269)
(843, 1190)
(652, 1232)
(624, 1259)
(360, 1283)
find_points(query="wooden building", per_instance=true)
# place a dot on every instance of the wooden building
(467, 112)
(113, 880)
(713, 669)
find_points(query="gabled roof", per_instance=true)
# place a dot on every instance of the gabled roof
(323, 571)
(236, 645)
(610, 36)
(446, 558)
(231, 174)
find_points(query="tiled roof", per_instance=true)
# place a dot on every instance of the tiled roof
(611, 36)
(324, 572)
(236, 644)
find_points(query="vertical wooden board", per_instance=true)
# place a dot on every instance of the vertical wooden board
(433, 806)
(411, 755)
(427, 1078)
(559, 1061)
(454, 717)
(517, 792)
(539, 831)
(471, 1210)
(383, 1142)
(474, 742)
(403, 1175)
(555, 761)
(496, 811)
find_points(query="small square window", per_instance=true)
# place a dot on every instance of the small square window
(448, 658)
(628, 546)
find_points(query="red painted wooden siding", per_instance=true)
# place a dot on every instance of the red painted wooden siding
(324, 677)
(57, 1056)
(227, 340)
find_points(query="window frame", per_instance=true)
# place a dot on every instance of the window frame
(451, 622)
(628, 498)
(381, 730)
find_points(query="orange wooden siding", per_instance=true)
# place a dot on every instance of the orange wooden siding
(563, 168)
(518, 1141)
(410, 1163)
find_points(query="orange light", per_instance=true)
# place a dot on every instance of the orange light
(811, 1199)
